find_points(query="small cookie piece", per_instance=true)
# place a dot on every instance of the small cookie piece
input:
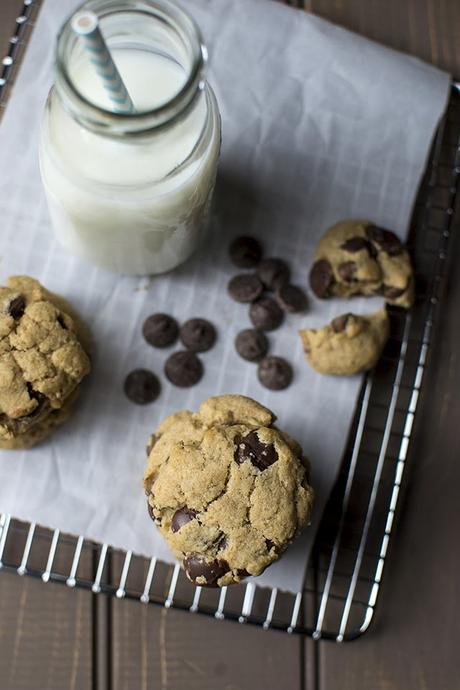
(245, 288)
(227, 490)
(142, 386)
(291, 298)
(348, 345)
(198, 335)
(160, 330)
(275, 373)
(183, 369)
(245, 252)
(42, 360)
(355, 257)
(266, 314)
(274, 273)
(251, 344)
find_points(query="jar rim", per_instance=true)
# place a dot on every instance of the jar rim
(101, 118)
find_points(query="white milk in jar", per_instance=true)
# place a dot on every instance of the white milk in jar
(131, 192)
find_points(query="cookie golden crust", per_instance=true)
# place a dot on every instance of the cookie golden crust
(41, 360)
(348, 345)
(227, 490)
(355, 257)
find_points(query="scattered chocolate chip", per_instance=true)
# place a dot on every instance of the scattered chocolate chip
(275, 373)
(16, 307)
(151, 444)
(242, 572)
(266, 314)
(269, 544)
(198, 335)
(291, 298)
(321, 278)
(339, 324)
(347, 271)
(385, 240)
(392, 292)
(142, 386)
(245, 252)
(183, 369)
(245, 288)
(182, 517)
(196, 567)
(160, 330)
(355, 244)
(274, 273)
(251, 344)
(251, 448)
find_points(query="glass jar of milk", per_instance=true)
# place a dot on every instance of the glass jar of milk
(131, 192)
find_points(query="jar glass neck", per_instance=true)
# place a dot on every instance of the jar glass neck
(143, 34)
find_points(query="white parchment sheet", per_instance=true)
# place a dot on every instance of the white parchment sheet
(318, 125)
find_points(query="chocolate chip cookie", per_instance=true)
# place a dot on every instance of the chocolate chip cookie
(41, 361)
(348, 345)
(355, 257)
(227, 489)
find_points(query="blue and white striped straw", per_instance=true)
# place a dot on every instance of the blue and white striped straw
(86, 25)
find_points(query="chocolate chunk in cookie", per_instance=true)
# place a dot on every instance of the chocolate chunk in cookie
(202, 572)
(245, 288)
(321, 278)
(259, 454)
(160, 330)
(385, 240)
(16, 307)
(142, 386)
(266, 314)
(183, 369)
(245, 252)
(198, 335)
(291, 298)
(251, 344)
(275, 373)
(339, 324)
(182, 517)
(274, 273)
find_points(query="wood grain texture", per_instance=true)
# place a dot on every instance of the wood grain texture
(429, 29)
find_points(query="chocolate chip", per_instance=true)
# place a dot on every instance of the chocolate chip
(339, 324)
(245, 252)
(242, 572)
(16, 307)
(142, 386)
(321, 278)
(151, 444)
(291, 298)
(183, 369)
(266, 314)
(347, 271)
(269, 544)
(251, 344)
(41, 399)
(392, 292)
(251, 448)
(354, 244)
(196, 567)
(245, 288)
(182, 517)
(385, 240)
(274, 273)
(275, 373)
(160, 330)
(198, 335)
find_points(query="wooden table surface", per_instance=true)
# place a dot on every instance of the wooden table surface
(53, 638)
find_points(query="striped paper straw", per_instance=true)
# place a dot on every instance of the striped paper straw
(86, 25)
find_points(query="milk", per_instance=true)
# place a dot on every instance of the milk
(135, 205)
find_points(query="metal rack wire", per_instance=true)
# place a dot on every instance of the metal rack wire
(346, 570)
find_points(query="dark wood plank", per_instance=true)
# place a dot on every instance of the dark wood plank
(429, 29)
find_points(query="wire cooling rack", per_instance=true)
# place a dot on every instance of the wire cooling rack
(346, 569)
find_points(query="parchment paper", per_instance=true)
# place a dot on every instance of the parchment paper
(318, 125)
